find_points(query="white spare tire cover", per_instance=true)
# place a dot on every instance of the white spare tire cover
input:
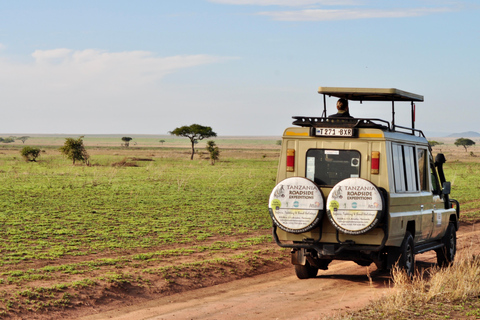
(355, 206)
(296, 205)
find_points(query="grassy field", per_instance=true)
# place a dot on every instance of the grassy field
(462, 169)
(145, 220)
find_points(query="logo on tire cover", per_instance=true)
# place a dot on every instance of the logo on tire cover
(296, 205)
(354, 206)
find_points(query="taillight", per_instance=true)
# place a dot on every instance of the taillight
(290, 160)
(375, 161)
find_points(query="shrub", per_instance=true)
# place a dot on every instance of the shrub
(75, 150)
(30, 154)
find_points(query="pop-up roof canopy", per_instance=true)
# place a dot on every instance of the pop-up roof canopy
(373, 94)
(370, 94)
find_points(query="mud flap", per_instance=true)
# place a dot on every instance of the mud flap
(298, 257)
(393, 254)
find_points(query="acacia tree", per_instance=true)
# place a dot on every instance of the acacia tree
(23, 138)
(434, 143)
(195, 132)
(74, 149)
(464, 142)
(213, 150)
(126, 140)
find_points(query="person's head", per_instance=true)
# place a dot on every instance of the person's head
(342, 105)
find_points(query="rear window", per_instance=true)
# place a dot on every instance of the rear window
(328, 167)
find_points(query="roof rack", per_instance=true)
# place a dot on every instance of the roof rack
(373, 94)
(315, 122)
(344, 122)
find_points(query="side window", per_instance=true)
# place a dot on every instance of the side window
(405, 168)
(435, 184)
(410, 168)
(422, 169)
(398, 168)
(328, 167)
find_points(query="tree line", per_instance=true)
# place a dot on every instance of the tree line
(74, 149)
(13, 139)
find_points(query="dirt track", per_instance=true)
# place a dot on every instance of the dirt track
(280, 295)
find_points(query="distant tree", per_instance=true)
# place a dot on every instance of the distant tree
(7, 140)
(75, 150)
(213, 150)
(127, 141)
(23, 139)
(194, 132)
(30, 154)
(278, 142)
(434, 143)
(464, 142)
(162, 141)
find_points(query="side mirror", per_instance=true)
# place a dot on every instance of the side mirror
(440, 159)
(446, 187)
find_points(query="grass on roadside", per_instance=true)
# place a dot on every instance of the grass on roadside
(436, 293)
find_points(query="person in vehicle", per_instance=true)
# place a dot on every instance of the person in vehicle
(342, 110)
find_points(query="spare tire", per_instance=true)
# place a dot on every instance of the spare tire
(355, 206)
(296, 205)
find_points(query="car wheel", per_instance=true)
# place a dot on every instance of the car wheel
(407, 255)
(306, 271)
(446, 255)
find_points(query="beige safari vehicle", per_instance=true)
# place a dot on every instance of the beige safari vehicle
(361, 189)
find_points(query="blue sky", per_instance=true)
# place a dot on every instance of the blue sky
(243, 67)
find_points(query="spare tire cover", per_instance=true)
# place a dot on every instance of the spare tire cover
(355, 206)
(296, 205)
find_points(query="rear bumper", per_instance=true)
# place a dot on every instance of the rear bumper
(330, 249)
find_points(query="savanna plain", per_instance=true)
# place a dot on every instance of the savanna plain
(144, 221)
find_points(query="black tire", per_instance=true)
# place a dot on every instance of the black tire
(305, 272)
(446, 255)
(407, 255)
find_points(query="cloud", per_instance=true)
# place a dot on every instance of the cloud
(286, 3)
(59, 69)
(78, 66)
(65, 90)
(350, 14)
(312, 10)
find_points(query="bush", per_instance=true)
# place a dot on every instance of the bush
(30, 154)
(7, 140)
(74, 150)
(213, 150)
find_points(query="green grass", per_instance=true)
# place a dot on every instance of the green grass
(52, 209)
(465, 186)
(68, 231)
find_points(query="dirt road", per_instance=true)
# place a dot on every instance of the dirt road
(280, 295)
(276, 295)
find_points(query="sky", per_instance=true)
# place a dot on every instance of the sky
(242, 67)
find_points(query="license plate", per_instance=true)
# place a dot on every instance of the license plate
(334, 132)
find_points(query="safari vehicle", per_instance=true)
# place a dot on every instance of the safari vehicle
(361, 189)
